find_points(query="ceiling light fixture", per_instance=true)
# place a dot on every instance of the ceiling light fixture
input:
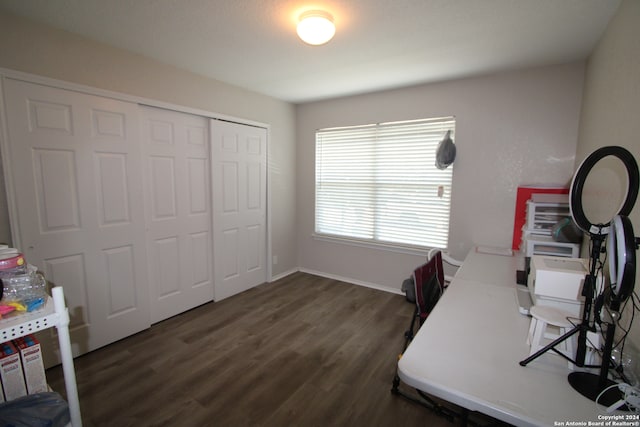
(316, 27)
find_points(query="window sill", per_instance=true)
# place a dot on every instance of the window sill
(387, 247)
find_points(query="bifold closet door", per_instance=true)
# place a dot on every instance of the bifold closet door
(239, 157)
(177, 190)
(77, 183)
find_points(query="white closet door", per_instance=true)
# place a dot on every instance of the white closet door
(75, 164)
(239, 155)
(176, 147)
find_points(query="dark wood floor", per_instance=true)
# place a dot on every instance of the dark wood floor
(302, 351)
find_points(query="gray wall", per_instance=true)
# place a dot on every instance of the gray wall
(37, 49)
(511, 129)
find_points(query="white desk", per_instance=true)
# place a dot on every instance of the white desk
(490, 269)
(467, 352)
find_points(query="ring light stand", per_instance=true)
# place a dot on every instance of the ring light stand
(587, 384)
(622, 246)
(597, 232)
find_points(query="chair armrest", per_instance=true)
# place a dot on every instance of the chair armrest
(445, 257)
(450, 260)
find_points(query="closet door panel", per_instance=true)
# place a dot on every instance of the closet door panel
(179, 211)
(75, 162)
(239, 154)
(56, 190)
(112, 194)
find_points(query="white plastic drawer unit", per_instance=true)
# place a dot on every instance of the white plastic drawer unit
(545, 245)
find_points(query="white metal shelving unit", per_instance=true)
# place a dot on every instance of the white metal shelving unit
(54, 314)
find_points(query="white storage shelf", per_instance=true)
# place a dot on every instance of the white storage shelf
(545, 245)
(543, 212)
(542, 216)
(53, 314)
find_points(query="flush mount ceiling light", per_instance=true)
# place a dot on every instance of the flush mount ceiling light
(316, 27)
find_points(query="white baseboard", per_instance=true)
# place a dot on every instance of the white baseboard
(353, 281)
(284, 274)
(340, 278)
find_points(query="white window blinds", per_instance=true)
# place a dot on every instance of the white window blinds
(379, 183)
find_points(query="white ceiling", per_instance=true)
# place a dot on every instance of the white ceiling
(379, 44)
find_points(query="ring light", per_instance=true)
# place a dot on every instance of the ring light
(621, 247)
(622, 257)
(577, 185)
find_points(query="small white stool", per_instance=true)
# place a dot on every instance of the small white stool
(541, 318)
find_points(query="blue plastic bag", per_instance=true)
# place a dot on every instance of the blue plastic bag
(36, 410)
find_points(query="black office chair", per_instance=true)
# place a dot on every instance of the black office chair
(429, 285)
(428, 282)
(444, 278)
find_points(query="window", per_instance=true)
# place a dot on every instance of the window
(379, 183)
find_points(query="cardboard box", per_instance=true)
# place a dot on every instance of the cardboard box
(11, 372)
(32, 365)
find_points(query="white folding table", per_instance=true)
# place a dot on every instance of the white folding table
(468, 353)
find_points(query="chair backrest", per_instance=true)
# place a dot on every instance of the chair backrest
(444, 258)
(428, 280)
(437, 255)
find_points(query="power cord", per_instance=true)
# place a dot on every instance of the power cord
(630, 397)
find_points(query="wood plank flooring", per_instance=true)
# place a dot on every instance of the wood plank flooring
(302, 351)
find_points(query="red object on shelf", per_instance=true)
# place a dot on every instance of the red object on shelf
(11, 261)
(524, 193)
